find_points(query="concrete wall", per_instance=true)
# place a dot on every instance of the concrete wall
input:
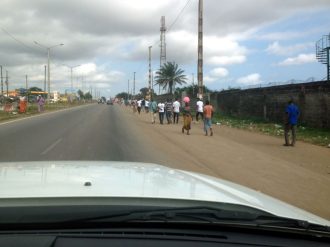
(269, 103)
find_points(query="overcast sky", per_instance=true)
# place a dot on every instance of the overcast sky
(246, 42)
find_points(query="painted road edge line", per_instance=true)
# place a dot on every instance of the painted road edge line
(42, 114)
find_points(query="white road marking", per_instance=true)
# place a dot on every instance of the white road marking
(51, 147)
(42, 114)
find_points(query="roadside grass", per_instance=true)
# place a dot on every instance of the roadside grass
(32, 109)
(316, 136)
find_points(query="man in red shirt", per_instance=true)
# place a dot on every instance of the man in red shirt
(208, 112)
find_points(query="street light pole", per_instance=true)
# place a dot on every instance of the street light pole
(149, 87)
(1, 81)
(71, 68)
(134, 85)
(48, 62)
(48, 71)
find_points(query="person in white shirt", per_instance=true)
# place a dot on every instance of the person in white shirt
(146, 106)
(161, 111)
(139, 105)
(199, 109)
(176, 110)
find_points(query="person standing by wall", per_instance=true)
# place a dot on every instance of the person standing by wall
(176, 110)
(199, 109)
(291, 120)
(208, 112)
(161, 111)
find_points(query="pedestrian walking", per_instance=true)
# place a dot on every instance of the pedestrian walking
(161, 111)
(291, 119)
(146, 105)
(208, 113)
(134, 103)
(169, 109)
(143, 102)
(153, 110)
(139, 105)
(41, 103)
(176, 110)
(199, 109)
(187, 118)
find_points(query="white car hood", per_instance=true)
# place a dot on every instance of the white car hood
(127, 179)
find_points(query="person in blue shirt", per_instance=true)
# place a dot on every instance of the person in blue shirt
(291, 120)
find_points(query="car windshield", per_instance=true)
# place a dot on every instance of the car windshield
(203, 101)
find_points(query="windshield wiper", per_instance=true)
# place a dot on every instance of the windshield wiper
(175, 214)
(206, 215)
(283, 222)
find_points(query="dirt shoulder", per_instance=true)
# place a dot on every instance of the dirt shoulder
(299, 175)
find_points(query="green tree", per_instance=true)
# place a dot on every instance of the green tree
(88, 96)
(81, 94)
(144, 92)
(35, 89)
(169, 75)
(123, 95)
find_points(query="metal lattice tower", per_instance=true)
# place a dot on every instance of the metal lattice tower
(162, 42)
(322, 52)
(162, 58)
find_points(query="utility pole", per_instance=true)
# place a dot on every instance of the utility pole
(200, 49)
(26, 82)
(48, 70)
(134, 85)
(193, 86)
(45, 78)
(128, 89)
(149, 85)
(7, 83)
(48, 62)
(1, 81)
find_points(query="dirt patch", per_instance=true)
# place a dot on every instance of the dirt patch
(298, 175)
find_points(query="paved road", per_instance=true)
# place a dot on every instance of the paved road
(298, 175)
(93, 132)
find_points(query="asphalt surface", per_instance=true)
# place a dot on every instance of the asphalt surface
(92, 132)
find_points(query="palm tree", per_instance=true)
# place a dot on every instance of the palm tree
(169, 75)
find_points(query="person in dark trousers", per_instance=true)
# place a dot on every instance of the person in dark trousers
(176, 110)
(161, 112)
(168, 109)
(291, 120)
(199, 109)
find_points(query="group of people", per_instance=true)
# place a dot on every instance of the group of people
(172, 110)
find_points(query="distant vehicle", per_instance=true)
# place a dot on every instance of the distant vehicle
(109, 102)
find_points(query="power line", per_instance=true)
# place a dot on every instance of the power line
(17, 40)
(168, 29)
(179, 15)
